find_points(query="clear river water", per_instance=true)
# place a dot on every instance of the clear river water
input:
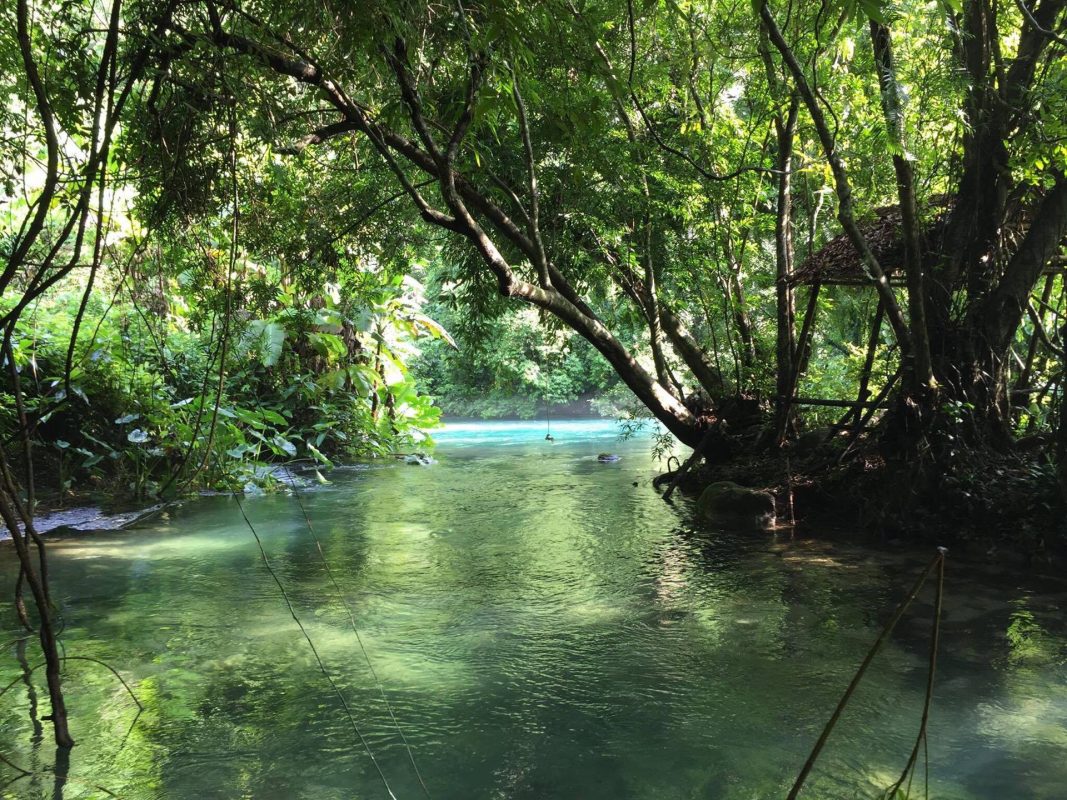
(544, 627)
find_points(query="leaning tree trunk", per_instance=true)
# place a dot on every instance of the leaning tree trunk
(1002, 309)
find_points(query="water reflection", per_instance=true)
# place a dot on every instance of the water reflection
(543, 630)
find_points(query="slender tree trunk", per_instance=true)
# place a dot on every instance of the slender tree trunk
(845, 211)
(740, 313)
(710, 378)
(893, 111)
(655, 329)
(1023, 382)
(783, 256)
(45, 629)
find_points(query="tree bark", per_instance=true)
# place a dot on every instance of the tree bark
(1005, 306)
(45, 629)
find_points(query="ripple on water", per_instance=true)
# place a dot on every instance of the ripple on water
(543, 630)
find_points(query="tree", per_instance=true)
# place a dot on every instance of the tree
(513, 115)
(967, 293)
(400, 107)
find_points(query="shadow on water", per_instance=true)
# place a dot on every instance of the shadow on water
(542, 629)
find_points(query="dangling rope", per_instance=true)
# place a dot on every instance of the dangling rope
(548, 424)
(314, 650)
(355, 630)
(921, 738)
(937, 561)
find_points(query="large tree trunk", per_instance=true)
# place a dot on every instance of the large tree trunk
(976, 217)
(1000, 313)
(971, 363)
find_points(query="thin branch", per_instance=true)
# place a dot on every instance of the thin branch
(882, 637)
(531, 174)
(44, 111)
(318, 137)
(1037, 25)
(674, 151)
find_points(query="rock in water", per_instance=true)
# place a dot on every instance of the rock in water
(732, 504)
(608, 458)
(418, 459)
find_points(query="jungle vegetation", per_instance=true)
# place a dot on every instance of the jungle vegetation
(236, 231)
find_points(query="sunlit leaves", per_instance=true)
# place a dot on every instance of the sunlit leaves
(266, 338)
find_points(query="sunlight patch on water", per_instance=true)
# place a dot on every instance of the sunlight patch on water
(544, 630)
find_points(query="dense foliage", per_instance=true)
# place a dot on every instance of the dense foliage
(145, 409)
(646, 176)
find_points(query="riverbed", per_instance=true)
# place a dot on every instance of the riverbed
(542, 626)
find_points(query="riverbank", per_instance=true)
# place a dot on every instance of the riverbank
(491, 407)
(90, 512)
(994, 505)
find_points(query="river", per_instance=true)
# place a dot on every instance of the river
(544, 627)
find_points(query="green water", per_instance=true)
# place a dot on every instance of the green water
(543, 629)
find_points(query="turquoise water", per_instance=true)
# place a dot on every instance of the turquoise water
(542, 628)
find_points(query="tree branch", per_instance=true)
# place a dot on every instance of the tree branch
(531, 177)
(1037, 26)
(844, 192)
(318, 137)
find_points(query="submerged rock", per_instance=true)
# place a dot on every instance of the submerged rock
(733, 504)
(608, 458)
(87, 518)
(418, 459)
(266, 475)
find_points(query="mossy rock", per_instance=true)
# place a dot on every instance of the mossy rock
(736, 505)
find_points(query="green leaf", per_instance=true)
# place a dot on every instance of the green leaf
(268, 338)
(434, 329)
(273, 417)
(318, 455)
(875, 9)
(280, 443)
